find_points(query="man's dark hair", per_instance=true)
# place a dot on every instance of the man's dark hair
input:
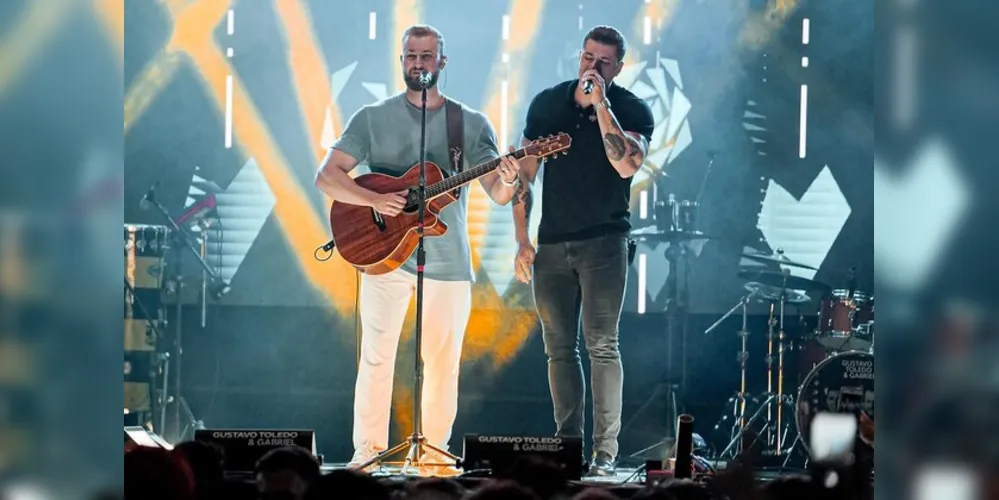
(608, 36)
(345, 483)
(206, 460)
(294, 458)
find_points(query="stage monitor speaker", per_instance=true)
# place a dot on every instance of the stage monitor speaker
(243, 447)
(499, 453)
(137, 436)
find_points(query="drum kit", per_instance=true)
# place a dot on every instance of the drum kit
(837, 357)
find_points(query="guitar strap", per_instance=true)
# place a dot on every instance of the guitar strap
(455, 133)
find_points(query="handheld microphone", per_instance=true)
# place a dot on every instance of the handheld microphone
(588, 84)
(425, 79)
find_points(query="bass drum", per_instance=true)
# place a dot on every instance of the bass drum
(842, 383)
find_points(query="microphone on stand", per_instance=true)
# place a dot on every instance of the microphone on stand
(852, 280)
(425, 79)
(147, 200)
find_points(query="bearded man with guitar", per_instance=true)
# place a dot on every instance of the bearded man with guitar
(377, 212)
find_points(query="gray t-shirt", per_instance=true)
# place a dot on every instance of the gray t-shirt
(385, 136)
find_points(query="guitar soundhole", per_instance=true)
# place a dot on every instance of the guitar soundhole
(378, 219)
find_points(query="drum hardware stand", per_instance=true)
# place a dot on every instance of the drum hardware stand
(216, 286)
(738, 401)
(772, 430)
(676, 324)
(417, 442)
(775, 435)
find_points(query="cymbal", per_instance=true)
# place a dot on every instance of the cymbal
(773, 293)
(781, 280)
(653, 233)
(777, 258)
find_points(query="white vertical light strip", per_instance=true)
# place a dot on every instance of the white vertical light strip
(643, 202)
(228, 111)
(580, 23)
(228, 52)
(804, 62)
(641, 283)
(904, 78)
(506, 57)
(647, 30)
(230, 22)
(372, 25)
(506, 27)
(805, 28)
(803, 125)
(504, 103)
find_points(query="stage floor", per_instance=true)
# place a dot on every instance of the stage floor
(621, 477)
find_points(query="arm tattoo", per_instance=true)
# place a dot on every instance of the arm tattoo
(523, 195)
(614, 144)
(518, 195)
(635, 146)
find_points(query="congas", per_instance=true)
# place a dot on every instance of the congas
(145, 251)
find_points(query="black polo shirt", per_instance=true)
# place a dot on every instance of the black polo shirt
(584, 197)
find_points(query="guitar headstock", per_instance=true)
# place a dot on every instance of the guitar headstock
(549, 146)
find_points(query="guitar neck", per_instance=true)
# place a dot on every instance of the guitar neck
(466, 176)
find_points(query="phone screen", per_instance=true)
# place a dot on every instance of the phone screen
(833, 436)
(952, 481)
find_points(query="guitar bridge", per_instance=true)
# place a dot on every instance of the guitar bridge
(378, 219)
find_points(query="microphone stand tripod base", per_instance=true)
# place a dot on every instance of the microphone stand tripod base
(418, 462)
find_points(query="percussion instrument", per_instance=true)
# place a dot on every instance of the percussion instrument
(677, 216)
(842, 383)
(841, 316)
(145, 248)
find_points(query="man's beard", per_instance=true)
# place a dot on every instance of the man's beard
(413, 81)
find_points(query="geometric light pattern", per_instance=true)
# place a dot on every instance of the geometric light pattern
(662, 89)
(805, 229)
(243, 208)
(916, 214)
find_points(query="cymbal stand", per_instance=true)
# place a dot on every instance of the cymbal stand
(776, 401)
(738, 401)
(774, 431)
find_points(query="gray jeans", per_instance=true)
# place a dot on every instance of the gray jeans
(583, 280)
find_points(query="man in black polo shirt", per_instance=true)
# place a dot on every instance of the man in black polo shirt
(581, 263)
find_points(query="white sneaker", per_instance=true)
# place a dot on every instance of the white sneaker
(362, 456)
(434, 464)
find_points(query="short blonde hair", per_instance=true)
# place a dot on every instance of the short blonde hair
(421, 30)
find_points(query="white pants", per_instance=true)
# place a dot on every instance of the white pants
(384, 302)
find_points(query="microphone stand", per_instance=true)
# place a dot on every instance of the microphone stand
(417, 442)
(216, 289)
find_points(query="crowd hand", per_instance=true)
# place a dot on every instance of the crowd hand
(524, 262)
(389, 204)
(508, 167)
(866, 429)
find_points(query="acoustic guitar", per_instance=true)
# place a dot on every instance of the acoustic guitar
(376, 244)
